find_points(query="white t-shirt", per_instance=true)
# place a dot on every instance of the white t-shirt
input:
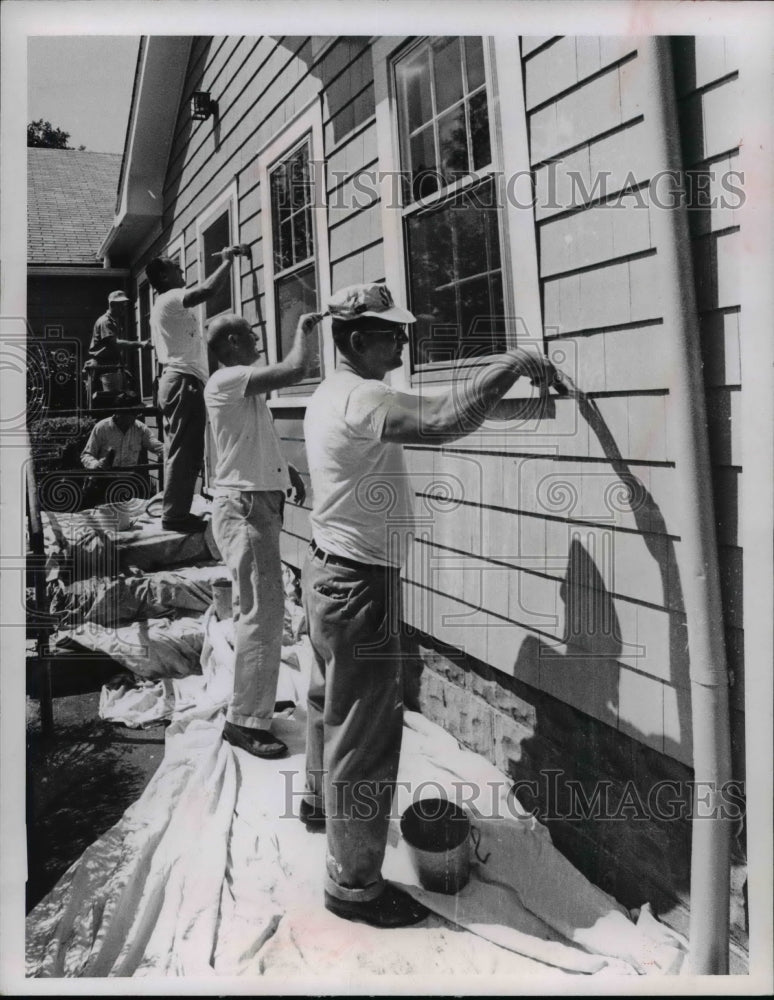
(176, 336)
(363, 505)
(247, 447)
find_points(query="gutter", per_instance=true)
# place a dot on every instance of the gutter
(158, 88)
(710, 832)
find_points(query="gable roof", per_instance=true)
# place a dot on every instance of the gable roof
(71, 196)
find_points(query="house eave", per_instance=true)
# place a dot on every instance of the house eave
(160, 77)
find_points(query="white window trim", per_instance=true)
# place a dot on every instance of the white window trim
(141, 279)
(228, 198)
(508, 125)
(307, 122)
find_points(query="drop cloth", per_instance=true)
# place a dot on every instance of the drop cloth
(209, 873)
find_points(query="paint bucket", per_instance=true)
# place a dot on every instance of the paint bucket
(437, 833)
(222, 599)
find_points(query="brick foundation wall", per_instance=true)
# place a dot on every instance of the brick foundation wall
(625, 840)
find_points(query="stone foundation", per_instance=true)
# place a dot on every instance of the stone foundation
(617, 809)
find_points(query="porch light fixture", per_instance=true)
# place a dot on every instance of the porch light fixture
(202, 106)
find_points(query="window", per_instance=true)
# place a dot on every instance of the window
(146, 361)
(295, 242)
(295, 271)
(450, 220)
(216, 229)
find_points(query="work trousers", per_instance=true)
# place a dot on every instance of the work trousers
(181, 400)
(246, 526)
(355, 716)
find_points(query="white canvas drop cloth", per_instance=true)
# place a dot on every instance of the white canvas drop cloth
(209, 873)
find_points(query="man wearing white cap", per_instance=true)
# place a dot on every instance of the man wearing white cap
(107, 343)
(355, 428)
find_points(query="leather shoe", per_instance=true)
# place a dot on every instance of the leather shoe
(313, 817)
(393, 908)
(258, 742)
(186, 525)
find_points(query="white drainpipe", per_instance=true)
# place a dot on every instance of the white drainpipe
(710, 837)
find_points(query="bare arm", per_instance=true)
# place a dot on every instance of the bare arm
(297, 489)
(200, 293)
(293, 367)
(413, 419)
(151, 443)
(133, 343)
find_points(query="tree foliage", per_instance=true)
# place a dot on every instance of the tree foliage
(44, 135)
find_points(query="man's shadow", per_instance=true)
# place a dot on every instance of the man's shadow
(614, 841)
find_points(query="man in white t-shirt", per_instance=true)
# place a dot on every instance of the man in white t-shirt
(251, 479)
(355, 429)
(181, 350)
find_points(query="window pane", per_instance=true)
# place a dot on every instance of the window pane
(302, 243)
(215, 237)
(447, 73)
(479, 322)
(299, 179)
(413, 75)
(296, 294)
(280, 198)
(453, 144)
(424, 175)
(479, 130)
(283, 245)
(474, 60)
(455, 279)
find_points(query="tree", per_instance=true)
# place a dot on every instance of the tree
(43, 134)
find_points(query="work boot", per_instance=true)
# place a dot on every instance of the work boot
(186, 525)
(393, 908)
(258, 742)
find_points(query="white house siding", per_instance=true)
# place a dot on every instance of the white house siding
(565, 598)
(541, 527)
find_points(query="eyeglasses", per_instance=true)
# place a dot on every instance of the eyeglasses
(396, 333)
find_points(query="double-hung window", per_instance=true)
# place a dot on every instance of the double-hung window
(217, 228)
(451, 228)
(295, 243)
(293, 248)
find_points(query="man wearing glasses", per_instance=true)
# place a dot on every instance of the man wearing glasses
(355, 429)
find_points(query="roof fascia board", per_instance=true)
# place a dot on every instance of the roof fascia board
(159, 86)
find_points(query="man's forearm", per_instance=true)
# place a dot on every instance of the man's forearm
(217, 278)
(300, 354)
(466, 407)
(88, 461)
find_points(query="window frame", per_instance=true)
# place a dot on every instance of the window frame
(306, 125)
(516, 224)
(227, 200)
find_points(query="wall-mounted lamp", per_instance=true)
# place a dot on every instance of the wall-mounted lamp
(202, 106)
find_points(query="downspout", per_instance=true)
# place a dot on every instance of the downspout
(710, 833)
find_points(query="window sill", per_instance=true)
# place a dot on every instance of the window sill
(443, 378)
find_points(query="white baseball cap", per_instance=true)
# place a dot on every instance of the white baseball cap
(367, 300)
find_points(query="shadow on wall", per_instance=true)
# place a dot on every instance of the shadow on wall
(594, 780)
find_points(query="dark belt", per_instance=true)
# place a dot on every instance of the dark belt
(327, 557)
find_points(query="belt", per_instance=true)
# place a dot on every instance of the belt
(327, 557)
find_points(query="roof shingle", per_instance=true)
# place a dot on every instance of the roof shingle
(71, 198)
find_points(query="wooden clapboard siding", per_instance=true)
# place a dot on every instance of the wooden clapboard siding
(587, 581)
(528, 554)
